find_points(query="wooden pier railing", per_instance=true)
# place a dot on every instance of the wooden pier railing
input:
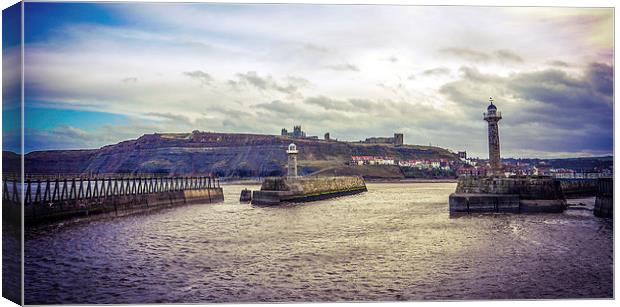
(45, 191)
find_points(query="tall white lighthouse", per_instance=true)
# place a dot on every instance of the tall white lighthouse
(292, 160)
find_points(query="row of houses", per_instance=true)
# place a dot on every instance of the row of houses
(372, 160)
(527, 170)
(388, 160)
(563, 173)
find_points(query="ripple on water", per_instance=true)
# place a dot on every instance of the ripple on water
(394, 242)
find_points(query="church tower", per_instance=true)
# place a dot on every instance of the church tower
(492, 116)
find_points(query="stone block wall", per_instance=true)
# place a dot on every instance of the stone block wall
(313, 185)
(475, 203)
(526, 188)
(118, 205)
(282, 189)
(578, 187)
(516, 195)
(604, 203)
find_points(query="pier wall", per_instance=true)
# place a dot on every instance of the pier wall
(282, 189)
(578, 187)
(526, 188)
(49, 201)
(119, 205)
(604, 203)
(515, 195)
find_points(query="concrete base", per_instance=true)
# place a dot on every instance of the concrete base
(542, 205)
(502, 203)
(471, 203)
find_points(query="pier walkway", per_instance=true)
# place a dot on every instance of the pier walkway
(55, 199)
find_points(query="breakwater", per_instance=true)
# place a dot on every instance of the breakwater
(510, 195)
(275, 190)
(58, 199)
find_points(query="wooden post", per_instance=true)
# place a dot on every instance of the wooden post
(80, 189)
(28, 196)
(5, 190)
(64, 194)
(122, 188)
(114, 187)
(134, 189)
(108, 190)
(72, 192)
(88, 189)
(15, 192)
(56, 192)
(37, 195)
(96, 189)
(47, 193)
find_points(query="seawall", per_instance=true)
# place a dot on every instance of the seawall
(59, 199)
(276, 190)
(514, 195)
(119, 205)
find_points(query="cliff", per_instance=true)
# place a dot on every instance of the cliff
(224, 154)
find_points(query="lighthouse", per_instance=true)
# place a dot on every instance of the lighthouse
(292, 160)
(492, 116)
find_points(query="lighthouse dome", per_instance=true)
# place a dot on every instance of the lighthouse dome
(491, 107)
(292, 147)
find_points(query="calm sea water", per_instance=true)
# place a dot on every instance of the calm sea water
(394, 242)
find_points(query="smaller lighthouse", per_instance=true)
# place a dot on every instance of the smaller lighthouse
(492, 116)
(292, 160)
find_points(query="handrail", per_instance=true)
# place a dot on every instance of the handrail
(53, 190)
(93, 175)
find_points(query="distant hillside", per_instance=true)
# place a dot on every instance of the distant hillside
(11, 163)
(225, 154)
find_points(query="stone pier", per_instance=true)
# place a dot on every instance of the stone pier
(276, 190)
(509, 195)
(55, 200)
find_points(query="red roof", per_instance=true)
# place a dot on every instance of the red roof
(368, 158)
(362, 158)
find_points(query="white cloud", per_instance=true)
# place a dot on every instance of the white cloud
(292, 54)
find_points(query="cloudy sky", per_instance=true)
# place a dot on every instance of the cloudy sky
(98, 74)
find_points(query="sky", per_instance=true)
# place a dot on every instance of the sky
(100, 73)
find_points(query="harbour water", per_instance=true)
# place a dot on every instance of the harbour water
(394, 242)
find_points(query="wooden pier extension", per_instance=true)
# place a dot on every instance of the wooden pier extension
(52, 200)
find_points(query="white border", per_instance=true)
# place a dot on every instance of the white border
(563, 3)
